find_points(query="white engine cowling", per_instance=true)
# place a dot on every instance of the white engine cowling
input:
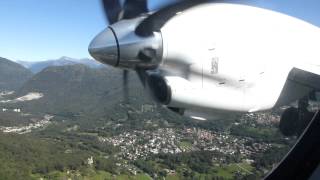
(184, 93)
(196, 102)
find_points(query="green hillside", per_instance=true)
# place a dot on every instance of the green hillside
(12, 75)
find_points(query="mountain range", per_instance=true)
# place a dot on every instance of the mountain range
(38, 66)
(71, 89)
(74, 88)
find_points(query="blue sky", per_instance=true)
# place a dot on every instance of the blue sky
(35, 30)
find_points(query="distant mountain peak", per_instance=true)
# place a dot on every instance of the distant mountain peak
(66, 58)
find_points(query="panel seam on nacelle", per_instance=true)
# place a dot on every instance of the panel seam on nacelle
(118, 46)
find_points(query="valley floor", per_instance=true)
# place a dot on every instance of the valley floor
(143, 143)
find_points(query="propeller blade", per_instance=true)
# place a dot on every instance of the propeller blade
(125, 85)
(131, 9)
(112, 9)
(142, 76)
(134, 8)
(155, 21)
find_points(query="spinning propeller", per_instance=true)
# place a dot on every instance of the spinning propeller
(132, 40)
(114, 12)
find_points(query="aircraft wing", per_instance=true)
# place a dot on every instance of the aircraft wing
(306, 76)
(301, 80)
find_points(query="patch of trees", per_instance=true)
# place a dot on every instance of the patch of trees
(146, 166)
(270, 157)
(108, 165)
(199, 161)
(196, 162)
(260, 134)
(24, 155)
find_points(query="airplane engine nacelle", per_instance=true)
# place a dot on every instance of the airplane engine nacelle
(182, 94)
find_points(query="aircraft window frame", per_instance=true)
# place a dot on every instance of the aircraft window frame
(303, 159)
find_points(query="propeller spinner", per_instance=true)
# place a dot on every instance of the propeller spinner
(119, 46)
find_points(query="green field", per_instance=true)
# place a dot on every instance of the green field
(228, 171)
(92, 175)
(186, 145)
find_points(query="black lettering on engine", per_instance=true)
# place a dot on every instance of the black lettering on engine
(214, 65)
